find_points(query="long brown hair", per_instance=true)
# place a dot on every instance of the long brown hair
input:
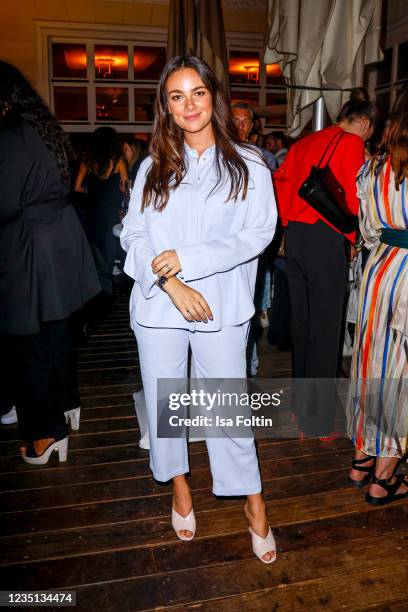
(395, 137)
(167, 144)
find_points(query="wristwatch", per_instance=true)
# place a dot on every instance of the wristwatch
(162, 281)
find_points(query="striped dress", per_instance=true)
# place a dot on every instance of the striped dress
(377, 404)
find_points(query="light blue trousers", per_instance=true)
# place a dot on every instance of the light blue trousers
(163, 353)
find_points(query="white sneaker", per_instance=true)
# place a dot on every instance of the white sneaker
(10, 417)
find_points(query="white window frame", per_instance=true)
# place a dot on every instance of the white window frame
(47, 32)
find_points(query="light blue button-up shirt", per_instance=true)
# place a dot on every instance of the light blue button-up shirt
(217, 242)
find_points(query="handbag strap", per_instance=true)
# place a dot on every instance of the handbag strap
(328, 147)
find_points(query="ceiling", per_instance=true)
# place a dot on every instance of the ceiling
(231, 5)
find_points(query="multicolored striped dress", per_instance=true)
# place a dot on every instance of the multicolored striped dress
(377, 405)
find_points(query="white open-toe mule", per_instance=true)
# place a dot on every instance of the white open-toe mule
(181, 523)
(261, 546)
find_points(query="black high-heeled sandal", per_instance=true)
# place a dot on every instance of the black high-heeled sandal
(391, 489)
(358, 464)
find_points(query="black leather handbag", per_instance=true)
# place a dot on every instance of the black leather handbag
(324, 193)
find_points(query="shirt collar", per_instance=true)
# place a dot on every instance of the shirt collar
(193, 153)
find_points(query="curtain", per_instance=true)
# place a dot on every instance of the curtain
(182, 30)
(321, 44)
(196, 27)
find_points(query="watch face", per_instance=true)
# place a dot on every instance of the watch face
(162, 280)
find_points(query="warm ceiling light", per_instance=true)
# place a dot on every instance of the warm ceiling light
(111, 59)
(237, 66)
(104, 65)
(252, 71)
(77, 59)
(240, 66)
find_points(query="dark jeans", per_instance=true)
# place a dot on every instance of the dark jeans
(46, 380)
(317, 273)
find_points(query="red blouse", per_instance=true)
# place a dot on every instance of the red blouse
(345, 163)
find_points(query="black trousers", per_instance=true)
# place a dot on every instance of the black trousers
(316, 258)
(8, 381)
(279, 325)
(45, 367)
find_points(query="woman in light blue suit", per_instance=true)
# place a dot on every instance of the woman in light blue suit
(202, 209)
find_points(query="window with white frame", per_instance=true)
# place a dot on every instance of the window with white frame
(92, 76)
(94, 83)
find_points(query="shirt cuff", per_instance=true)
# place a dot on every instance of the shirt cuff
(147, 284)
(192, 260)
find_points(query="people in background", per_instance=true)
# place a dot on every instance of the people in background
(279, 328)
(377, 403)
(317, 258)
(106, 176)
(277, 143)
(255, 135)
(201, 211)
(242, 116)
(47, 272)
(134, 152)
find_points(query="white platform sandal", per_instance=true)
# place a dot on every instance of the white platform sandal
(261, 546)
(30, 456)
(181, 523)
(73, 416)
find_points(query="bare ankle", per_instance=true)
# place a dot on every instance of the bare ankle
(255, 506)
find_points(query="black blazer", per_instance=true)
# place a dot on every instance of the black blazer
(46, 266)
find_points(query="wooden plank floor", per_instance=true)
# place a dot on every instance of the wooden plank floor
(100, 525)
